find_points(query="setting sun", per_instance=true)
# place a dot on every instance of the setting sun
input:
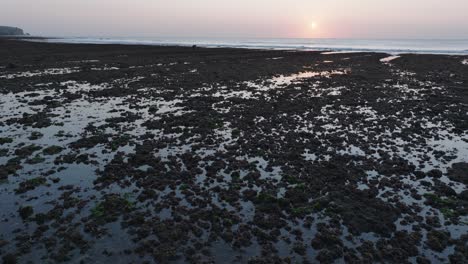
(313, 25)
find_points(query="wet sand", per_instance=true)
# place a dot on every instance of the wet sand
(126, 154)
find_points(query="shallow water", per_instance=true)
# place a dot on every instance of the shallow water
(435, 46)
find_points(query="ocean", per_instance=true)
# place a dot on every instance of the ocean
(393, 46)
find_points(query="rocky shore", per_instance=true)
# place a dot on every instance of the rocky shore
(146, 154)
(11, 31)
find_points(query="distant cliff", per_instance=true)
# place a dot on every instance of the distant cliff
(11, 31)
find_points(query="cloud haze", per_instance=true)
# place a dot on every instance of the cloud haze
(240, 18)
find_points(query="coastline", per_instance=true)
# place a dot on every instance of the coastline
(177, 154)
(391, 46)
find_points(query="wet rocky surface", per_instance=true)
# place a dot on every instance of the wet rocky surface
(133, 154)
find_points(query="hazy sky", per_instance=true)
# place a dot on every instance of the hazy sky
(240, 18)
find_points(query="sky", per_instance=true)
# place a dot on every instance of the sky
(371, 19)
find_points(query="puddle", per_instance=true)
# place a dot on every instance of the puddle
(50, 71)
(389, 59)
(285, 80)
(340, 52)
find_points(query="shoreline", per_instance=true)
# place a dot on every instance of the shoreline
(135, 42)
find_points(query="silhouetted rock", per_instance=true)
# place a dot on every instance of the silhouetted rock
(11, 31)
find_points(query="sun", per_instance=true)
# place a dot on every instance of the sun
(313, 25)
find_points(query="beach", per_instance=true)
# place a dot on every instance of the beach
(170, 154)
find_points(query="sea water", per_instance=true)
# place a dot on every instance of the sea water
(394, 46)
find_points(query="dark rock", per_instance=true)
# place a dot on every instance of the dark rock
(11, 31)
(364, 214)
(9, 259)
(434, 173)
(25, 212)
(459, 172)
(437, 240)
